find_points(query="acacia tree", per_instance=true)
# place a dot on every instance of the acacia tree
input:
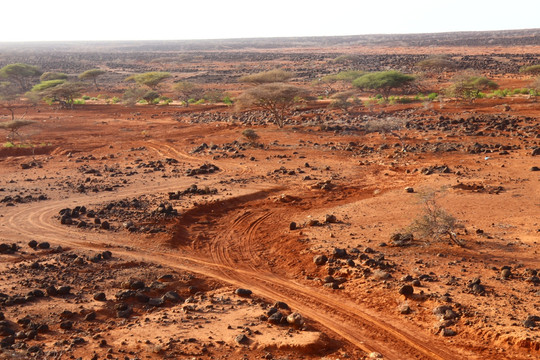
(186, 91)
(150, 79)
(267, 77)
(383, 81)
(8, 97)
(64, 93)
(92, 74)
(276, 98)
(21, 74)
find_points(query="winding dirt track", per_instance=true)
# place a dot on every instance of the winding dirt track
(234, 258)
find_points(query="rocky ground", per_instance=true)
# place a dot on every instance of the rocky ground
(162, 232)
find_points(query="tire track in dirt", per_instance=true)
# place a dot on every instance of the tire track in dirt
(234, 251)
(167, 150)
(345, 319)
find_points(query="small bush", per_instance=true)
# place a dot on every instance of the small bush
(79, 102)
(432, 96)
(85, 97)
(250, 135)
(115, 100)
(434, 222)
(227, 101)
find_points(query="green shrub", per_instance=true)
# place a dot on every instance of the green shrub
(85, 97)
(47, 85)
(227, 100)
(432, 96)
(79, 102)
(115, 100)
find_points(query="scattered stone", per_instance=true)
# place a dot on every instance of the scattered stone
(320, 260)
(66, 325)
(339, 253)
(399, 239)
(275, 318)
(295, 319)
(241, 339)
(330, 219)
(446, 332)
(44, 245)
(406, 290)
(281, 305)
(506, 273)
(404, 309)
(100, 296)
(243, 292)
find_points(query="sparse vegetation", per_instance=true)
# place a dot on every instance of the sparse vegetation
(436, 64)
(20, 74)
(150, 79)
(532, 69)
(346, 76)
(186, 90)
(278, 99)
(383, 81)
(470, 87)
(64, 93)
(47, 76)
(92, 75)
(435, 223)
(250, 135)
(345, 101)
(133, 95)
(267, 77)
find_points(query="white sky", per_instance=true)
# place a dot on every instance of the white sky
(57, 20)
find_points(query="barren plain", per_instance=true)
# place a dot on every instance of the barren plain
(150, 232)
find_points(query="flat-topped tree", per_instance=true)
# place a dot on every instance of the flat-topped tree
(21, 74)
(92, 74)
(151, 79)
(276, 98)
(64, 93)
(267, 77)
(383, 81)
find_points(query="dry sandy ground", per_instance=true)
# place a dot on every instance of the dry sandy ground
(166, 286)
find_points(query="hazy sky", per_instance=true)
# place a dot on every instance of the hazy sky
(53, 20)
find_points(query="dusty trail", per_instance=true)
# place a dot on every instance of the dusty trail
(227, 260)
